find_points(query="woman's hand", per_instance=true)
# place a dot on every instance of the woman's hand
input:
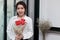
(18, 37)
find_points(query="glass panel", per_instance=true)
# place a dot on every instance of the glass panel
(1, 20)
(10, 11)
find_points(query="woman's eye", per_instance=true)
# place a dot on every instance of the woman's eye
(21, 8)
(18, 8)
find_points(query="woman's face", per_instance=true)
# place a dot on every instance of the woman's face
(20, 10)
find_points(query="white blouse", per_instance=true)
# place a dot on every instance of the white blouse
(28, 30)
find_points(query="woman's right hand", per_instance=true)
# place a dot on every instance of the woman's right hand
(18, 37)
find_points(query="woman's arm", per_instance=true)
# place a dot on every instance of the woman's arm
(29, 32)
(30, 28)
(10, 31)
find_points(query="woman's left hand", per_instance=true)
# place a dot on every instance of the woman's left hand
(18, 36)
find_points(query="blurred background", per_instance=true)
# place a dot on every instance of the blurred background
(37, 10)
(50, 11)
(7, 10)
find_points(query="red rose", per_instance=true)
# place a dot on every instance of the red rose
(22, 21)
(18, 22)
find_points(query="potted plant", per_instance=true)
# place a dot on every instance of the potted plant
(44, 26)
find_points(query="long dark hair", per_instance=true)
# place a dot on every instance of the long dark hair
(21, 3)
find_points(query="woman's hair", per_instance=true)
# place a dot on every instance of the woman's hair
(23, 4)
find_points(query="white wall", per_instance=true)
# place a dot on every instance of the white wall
(50, 10)
(52, 36)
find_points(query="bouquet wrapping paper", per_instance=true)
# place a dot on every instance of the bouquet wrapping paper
(19, 26)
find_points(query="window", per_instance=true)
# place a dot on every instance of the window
(1, 20)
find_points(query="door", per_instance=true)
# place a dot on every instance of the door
(36, 19)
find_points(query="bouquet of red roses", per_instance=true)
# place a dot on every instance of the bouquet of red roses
(19, 26)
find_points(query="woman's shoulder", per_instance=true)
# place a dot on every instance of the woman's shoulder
(29, 18)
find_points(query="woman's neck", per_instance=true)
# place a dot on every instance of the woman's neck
(21, 16)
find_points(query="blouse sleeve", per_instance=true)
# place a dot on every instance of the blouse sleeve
(10, 31)
(29, 32)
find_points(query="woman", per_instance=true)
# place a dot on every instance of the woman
(27, 28)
